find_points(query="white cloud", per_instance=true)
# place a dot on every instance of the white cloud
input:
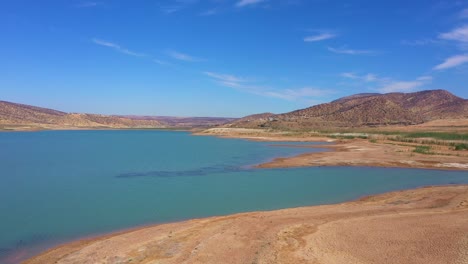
(388, 85)
(367, 77)
(458, 34)
(392, 86)
(425, 78)
(297, 94)
(453, 61)
(319, 37)
(116, 47)
(370, 77)
(243, 3)
(181, 56)
(401, 87)
(245, 85)
(349, 75)
(350, 51)
(225, 77)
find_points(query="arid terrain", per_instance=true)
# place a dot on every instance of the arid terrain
(427, 225)
(20, 117)
(185, 122)
(440, 144)
(360, 111)
(366, 110)
(361, 152)
(430, 225)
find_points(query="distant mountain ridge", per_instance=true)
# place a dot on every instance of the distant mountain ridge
(369, 110)
(183, 121)
(21, 116)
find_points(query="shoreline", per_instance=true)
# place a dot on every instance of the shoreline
(351, 152)
(82, 248)
(98, 129)
(362, 154)
(356, 153)
(301, 160)
(288, 233)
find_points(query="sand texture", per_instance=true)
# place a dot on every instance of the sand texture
(427, 225)
(363, 153)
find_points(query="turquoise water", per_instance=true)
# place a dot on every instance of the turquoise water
(62, 185)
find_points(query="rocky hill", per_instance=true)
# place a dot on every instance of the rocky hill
(20, 116)
(368, 110)
(15, 116)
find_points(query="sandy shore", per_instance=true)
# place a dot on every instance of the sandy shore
(355, 152)
(427, 225)
(363, 153)
(262, 135)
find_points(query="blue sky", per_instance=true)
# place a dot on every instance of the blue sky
(226, 57)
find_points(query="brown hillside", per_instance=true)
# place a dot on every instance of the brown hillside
(370, 110)
(20, 116)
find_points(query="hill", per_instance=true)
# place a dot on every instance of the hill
(20, 116)
(186, 122)
(14, 116)
(368, 110)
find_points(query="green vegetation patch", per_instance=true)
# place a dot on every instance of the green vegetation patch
(461, 146)
(434, 135)
(438, 135)
(423, 149)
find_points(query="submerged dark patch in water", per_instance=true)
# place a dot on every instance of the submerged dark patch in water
(196, 172)
(20, 248)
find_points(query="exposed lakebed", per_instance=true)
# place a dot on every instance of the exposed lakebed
(61, 185)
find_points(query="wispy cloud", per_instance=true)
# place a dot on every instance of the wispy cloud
(243, 3)
(401, 86)
(225, 77)
(389, 85)
(351, 51)
(305, 93)
(160, 62)
(453, 61)
(116, 47)
(319, 37)
(458, 34)
(248, 86)
(425, 78)
(182, 56)
(367, 77)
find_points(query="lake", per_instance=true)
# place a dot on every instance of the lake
(56, 186)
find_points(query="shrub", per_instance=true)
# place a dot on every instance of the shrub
(422, 149)
(461, 146)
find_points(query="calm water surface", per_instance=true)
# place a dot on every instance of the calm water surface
(62, 185)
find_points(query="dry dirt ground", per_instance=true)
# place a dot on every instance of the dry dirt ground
(427, 225)
(355, 152)
(360, 152)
